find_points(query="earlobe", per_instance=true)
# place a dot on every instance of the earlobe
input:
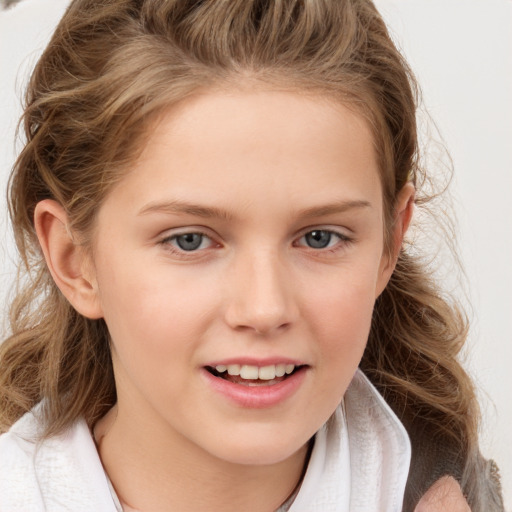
(402, 218)
(66, 259)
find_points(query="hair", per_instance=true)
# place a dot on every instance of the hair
(109, 69)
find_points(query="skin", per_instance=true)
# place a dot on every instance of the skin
(254, 172)
(444, 495)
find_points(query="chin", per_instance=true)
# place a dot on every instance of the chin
(258, 454)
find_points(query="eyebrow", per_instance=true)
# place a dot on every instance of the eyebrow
(197, 210)
(185, 208)
(333, 208)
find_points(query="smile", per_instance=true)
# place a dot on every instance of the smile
(255, 386)
(251, 375)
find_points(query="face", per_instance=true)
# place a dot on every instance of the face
(236, 266)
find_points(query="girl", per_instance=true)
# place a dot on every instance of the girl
(220, 311)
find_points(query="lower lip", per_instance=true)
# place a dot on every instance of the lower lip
(256, 397)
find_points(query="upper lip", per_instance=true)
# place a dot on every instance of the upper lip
(252, 361)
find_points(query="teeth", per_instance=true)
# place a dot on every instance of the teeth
(251, 372)
(233, 369)
(267, 372)
(280, 370)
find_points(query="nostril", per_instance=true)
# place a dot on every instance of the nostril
(271, 328)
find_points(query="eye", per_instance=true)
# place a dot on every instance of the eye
(321, 239)
(189, 242)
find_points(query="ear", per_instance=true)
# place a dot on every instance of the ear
(402, 218)
(67, 261)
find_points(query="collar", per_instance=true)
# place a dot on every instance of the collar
(360, 460)
(359, 463)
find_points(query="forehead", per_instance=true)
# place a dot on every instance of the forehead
(246, 115)
(257, 145)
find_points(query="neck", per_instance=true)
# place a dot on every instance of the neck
(152, 473)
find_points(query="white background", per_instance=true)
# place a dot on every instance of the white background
(461, 52)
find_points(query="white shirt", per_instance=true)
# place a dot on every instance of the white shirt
(359, 463)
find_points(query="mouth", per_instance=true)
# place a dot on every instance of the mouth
(251, 375)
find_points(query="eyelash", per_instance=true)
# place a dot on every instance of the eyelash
(167, 242)
(343, 241)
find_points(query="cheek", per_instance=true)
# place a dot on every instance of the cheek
(342, 315)
(342, 300)
(347, 326)
(151, 311)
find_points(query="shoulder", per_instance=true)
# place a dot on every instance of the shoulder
(18, 479)
(59, 473)
(445, 494)
(18, 444)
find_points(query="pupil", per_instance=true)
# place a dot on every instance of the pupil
(318, 239)
(189, 241)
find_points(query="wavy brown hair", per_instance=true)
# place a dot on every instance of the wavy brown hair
(109, 69)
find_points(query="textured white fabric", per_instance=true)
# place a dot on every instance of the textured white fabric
(63, 473)
(359, 463)
(326, 484)
(361, 457)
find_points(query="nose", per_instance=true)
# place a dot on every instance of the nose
(261, 296)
